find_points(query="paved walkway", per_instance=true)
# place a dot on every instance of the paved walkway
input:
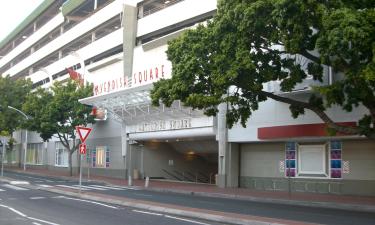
(308, 199)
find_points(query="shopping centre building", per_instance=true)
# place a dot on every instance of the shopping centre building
(119, 46)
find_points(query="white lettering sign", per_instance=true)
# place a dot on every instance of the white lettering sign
(164, 125)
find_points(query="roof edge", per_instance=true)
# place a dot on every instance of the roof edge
(70, 5)
(31, 17)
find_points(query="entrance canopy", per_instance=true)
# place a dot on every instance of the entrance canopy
(133, 105)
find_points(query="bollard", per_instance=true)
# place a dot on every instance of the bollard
(130, 181)
(147, 181)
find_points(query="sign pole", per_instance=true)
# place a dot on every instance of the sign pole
(80, 173)
(83, 133)
(2, 157)
(88, 163)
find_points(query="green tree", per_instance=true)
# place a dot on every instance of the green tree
(57, 112)
(251, 42)
(12, 93)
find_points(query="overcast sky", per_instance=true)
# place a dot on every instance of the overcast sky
(13, 12)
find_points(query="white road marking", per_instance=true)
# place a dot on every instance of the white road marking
(107, 187)
(15, 182)
(45, 185)
(171, 217)
(13, 210)
(2, 190)
(59, 196)
(15, 187)
(28, 217)
(128, 188)
(83, 200)
(43, 221)
(35, 223)
(94, 188)
(143, 195)
(72, 187)
(186, 220)
(149, 213)
(36, 198)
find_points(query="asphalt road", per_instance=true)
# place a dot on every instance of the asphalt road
(20, 205)
(270, 210)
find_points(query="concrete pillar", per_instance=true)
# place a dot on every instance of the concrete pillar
(221, 137)
(228, 170)
(129, 35)
(124, 146)
(233, 165)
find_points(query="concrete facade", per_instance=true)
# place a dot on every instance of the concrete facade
(260, 169)
(121, 50)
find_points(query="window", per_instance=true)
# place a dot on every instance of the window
(11, 156)
(34, 154)
(61, 158)
(100, 157)
(311, 160)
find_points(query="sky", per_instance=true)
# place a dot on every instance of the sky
(13, 12)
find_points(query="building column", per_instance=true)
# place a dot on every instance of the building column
(124, 147)
(221, 137)
(233, 165)
(129, 22)
(228, 170)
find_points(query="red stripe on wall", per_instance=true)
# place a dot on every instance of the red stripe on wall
(301, 130)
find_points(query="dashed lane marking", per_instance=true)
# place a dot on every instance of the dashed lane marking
(186, 220)
(149, 213)
(107, 187)
(45, 185)
(170, 217)
(72, 187)
(88, 201)
(92, 188)
(15, 187)
(17, 182)
(37, 197)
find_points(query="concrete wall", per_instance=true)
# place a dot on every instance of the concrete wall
(261, 159)
(260, 169)
(272, 113)
(361, 157)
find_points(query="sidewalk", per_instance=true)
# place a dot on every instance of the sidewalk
(356, 203)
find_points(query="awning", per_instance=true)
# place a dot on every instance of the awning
(133, 105)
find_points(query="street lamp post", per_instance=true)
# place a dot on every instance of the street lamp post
(25, 148)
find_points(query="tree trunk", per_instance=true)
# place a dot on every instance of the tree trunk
(70, 163)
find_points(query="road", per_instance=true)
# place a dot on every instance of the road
(20, 205)
(269, 210)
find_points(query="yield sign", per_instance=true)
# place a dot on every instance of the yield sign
(83, 132)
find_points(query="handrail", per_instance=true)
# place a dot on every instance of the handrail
(172, 175)
(156, 9)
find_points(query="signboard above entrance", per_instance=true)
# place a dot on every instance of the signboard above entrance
(164, 125)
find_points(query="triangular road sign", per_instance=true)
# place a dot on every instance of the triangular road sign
(83, 132)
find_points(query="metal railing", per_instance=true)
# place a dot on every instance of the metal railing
(161, 7)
